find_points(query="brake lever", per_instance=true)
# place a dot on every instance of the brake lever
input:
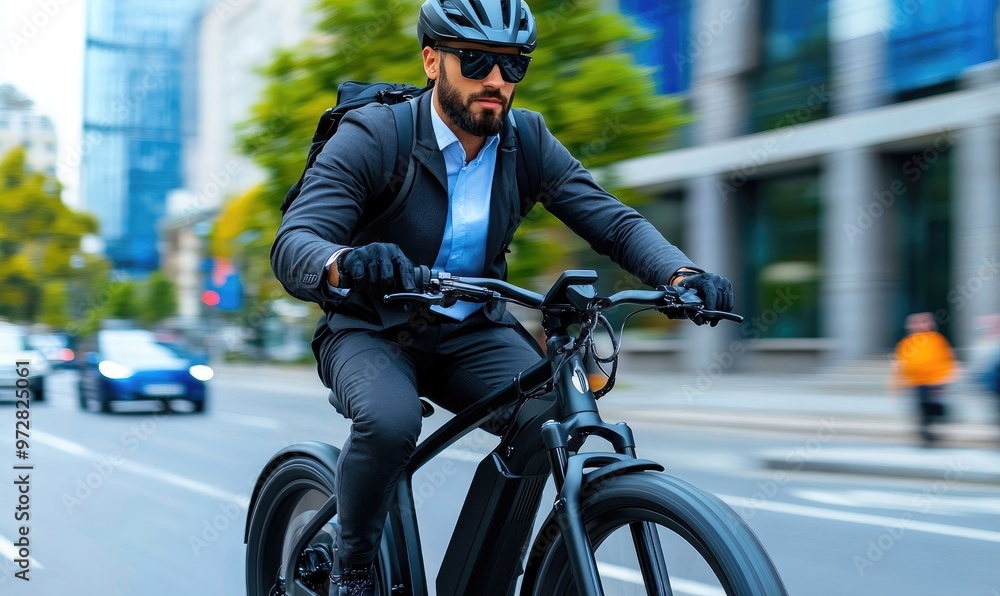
(429, 298)
(719, 314)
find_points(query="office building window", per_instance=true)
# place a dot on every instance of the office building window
(780, 219)
(931, 42)
(789, 85)
(667, 48)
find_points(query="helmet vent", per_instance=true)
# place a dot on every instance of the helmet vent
(505, 11)
(523, 25)
(455, 15)
(480, 12)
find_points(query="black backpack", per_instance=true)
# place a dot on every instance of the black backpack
(400, 98)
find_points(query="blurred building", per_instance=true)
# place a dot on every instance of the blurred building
(22, 126)
(843, 169)
(138, 112)
(234, 39)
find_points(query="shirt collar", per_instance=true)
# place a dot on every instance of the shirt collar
(445, 136)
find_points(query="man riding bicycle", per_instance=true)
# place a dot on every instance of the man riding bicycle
(459, 216)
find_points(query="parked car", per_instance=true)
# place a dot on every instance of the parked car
(14, 348)
(56, 347)
(130, 365)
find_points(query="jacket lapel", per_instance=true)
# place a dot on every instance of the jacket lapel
(426, 150)
(503, 199)
(430, 197)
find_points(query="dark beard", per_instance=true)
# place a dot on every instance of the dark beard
(486, 125)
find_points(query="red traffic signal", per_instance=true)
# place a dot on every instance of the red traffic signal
(210, 297)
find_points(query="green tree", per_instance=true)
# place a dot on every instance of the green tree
(159, 299)
(122, 301)
(55, 305)
(39, 237)
(595, 99)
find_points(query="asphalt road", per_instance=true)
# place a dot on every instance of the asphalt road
(141, 503)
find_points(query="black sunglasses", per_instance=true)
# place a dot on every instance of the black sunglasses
(478, 64)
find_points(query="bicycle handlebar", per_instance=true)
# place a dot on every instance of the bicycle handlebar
(439, 287)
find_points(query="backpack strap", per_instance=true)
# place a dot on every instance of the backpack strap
(529, 162)
(384, 206)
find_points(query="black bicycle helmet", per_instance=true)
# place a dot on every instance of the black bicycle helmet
(494, 22)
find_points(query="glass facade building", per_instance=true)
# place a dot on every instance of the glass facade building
(843, 170)
(668, 46)
(138, 60)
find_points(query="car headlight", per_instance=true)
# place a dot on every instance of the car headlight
(113, 370)
(202, 372)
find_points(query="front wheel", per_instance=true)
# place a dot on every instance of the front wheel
(655, 534)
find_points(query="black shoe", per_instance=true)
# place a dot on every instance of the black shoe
(356, 582)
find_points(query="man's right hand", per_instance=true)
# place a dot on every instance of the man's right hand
(376, 268)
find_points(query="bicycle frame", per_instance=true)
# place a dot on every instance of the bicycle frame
(488, 547)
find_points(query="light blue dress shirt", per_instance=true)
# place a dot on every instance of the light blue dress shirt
(463, 248)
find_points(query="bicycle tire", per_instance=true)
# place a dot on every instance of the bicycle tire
(712, 528)
(297, 486)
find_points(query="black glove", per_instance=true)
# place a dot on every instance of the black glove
(715, 291)
(376, 269)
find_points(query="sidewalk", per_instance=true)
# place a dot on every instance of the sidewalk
(844, 403)
(826, 406)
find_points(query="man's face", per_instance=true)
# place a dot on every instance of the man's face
(477, 107)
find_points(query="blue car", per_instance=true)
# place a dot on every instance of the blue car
(131, 365)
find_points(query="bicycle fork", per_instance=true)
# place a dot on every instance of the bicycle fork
(573, 485)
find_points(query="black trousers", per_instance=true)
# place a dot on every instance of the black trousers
(931, 409)
(378, 377)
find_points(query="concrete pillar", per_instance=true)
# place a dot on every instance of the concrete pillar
(855, 204)
(722, 49)
(711, 243)
(976, 270)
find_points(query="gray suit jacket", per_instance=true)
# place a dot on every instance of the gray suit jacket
(357, 163)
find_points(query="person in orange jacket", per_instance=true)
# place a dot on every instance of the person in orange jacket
(925, 362)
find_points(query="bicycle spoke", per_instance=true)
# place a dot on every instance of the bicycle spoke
(652, 565)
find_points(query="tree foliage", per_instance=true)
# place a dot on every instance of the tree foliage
(595, 99)
(159, 299)
(39, 236)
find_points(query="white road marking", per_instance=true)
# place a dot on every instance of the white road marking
(927, 501)
(9, 551)
(742, 504)
(248, 420)
(139, 469)
(680, 586)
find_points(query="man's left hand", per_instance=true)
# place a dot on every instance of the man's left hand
(715, 291)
